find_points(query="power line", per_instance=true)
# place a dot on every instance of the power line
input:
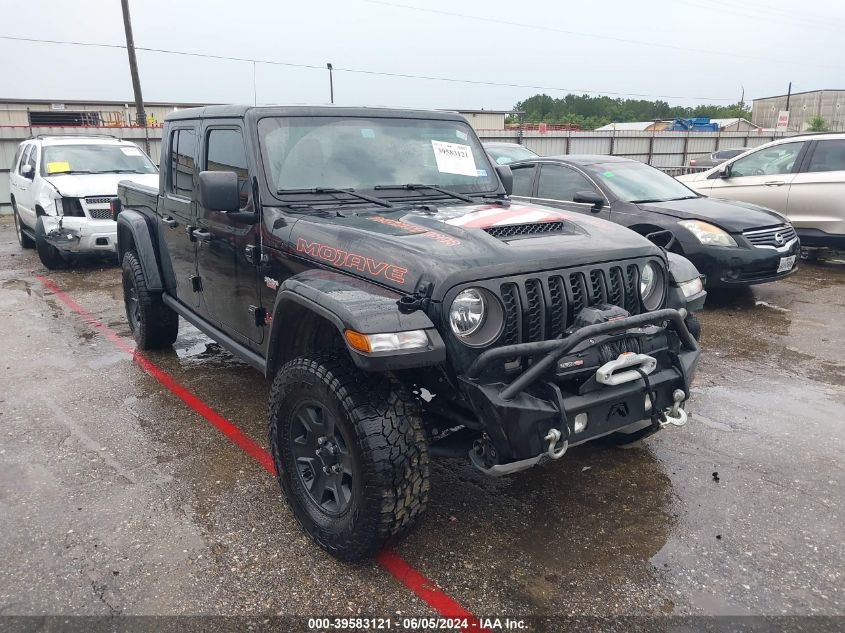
(611, 38)
(361, 71)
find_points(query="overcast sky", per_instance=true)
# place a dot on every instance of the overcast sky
(614, 46)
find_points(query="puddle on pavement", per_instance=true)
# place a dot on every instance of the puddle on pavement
(595, 518)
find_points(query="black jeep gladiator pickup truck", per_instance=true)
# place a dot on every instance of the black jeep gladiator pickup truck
(370, 263)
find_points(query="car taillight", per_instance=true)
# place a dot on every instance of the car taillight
(115, 206)
(692, 162)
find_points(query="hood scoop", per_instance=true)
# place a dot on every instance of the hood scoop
(531, 229)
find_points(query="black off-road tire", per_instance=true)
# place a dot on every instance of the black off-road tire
(23, 239)
(153, 324)
(384, 443)
(47, 253)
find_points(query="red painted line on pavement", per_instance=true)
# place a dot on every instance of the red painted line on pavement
(425, 589)
(389, 560)
(167, 381)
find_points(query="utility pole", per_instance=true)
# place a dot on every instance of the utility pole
(141, 115)
(331, 82)
(788, 95)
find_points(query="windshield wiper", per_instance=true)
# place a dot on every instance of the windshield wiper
(121, 171)
(414, 186)
(682, 198)
(647, 200)
(73, 171)
(333, 190)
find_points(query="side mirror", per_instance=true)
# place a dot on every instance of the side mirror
(506, 176)
(589, 197)
(725, 171)
(218, 191)
(28, 172)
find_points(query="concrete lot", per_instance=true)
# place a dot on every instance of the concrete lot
(115, 498)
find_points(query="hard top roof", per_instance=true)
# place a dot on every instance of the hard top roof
(256, 112)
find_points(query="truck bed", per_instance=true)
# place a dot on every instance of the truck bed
(137, 196)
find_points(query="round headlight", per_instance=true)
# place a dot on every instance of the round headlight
(467, 313)
(651, 286)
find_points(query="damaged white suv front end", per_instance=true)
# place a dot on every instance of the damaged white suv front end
(61, 189)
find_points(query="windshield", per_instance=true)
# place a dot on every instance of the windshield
(505, 155)
(363, 153)
(94, 159)
(638, 182)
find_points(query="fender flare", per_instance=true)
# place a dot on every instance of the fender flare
(135, 224)
(349, 303)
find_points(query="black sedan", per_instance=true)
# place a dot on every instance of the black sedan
(731, 243)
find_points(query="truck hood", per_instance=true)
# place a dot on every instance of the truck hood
(453, 244)
(730, 215)
(84, 185)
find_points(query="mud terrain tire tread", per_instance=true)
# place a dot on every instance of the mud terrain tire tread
(388, 438)
(158, 325)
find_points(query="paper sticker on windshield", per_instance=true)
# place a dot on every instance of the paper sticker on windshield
(58, 166)
(608, 174)
(130, 151)
(367, 133)
(454, 158)
(481, 173)
(461, 135)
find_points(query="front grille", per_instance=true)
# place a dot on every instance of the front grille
(98, 200)
(768, 238)
(100, 214)
(542, 307)
(522, 230)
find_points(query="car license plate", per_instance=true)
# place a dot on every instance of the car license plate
(786, 263)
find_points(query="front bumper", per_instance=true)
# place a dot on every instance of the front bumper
(561, 382)
(725, 266)
(80, 235)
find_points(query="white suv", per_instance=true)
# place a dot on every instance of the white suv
(61, 187)
(802, 176)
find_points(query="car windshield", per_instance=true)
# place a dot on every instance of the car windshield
(506, 154)
(90, 158)
(638, 182)
(301, 153)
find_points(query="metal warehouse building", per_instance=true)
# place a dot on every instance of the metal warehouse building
(46, 113)
(803, 106)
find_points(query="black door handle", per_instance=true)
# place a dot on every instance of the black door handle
(169, 221)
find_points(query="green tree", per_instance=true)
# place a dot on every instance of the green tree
(590, 112)
(817, 124)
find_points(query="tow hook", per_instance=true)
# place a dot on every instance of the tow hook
(553, 437)
(676, 415)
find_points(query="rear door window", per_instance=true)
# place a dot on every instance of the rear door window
(182, 162)
(828, 156)
(561, 183)
(17, 158)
